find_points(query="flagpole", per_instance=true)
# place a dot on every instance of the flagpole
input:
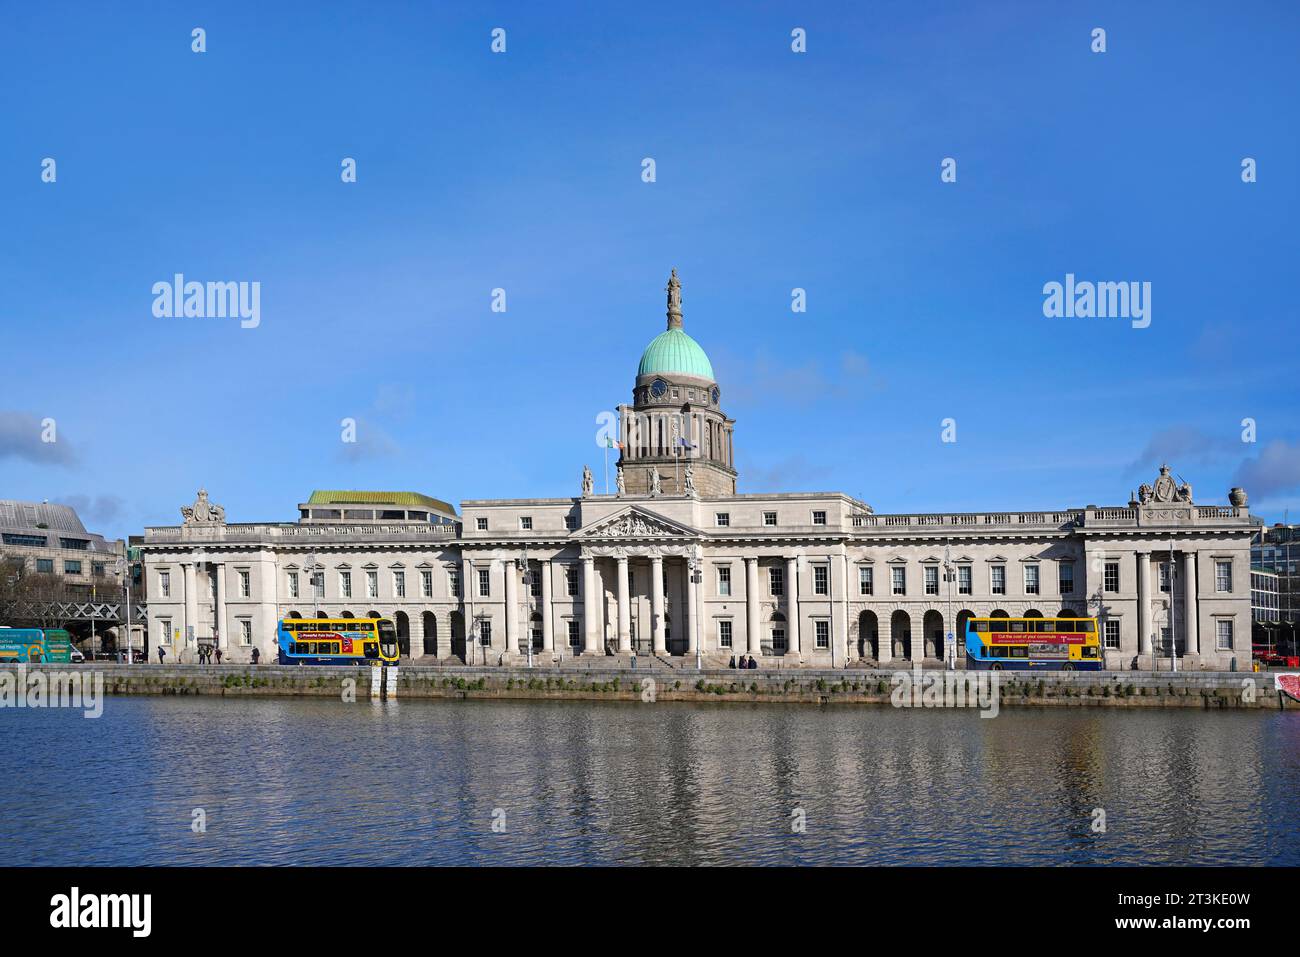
(606, 466)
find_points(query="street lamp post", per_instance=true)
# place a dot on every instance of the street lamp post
(950, 640)
(124, 569)
(310, 562)
(691, 565)
(528, 584)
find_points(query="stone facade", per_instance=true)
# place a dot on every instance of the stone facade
(804, 579)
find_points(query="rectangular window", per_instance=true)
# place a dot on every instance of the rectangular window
(245, 584)
(866, 580)
(71, 567)
(724, 579)
(931, 579)
(1031, 579)
(426, 583)
(399, 584)
(819, 518)
(1223, 634)
(821, 579)
(453, 582)
(31, 541)
(245, 630)
(372, 584)
(525, 523)
(485, 634)
(293, 584)
(165, 627)
(165, 584)
(898, 580)
(964, 580)
(75, 544)
(769, 519)
(570, 522)
(535, 580)
(484, 583)
(998, 579)
(1164, 575)
(480, 523)
(722, 519)
(823, 633)
(345, 584)
(97, 569)
(574, 637)
(724, 634)
(1065, 578)
(1223, 576)
(1111, 628)
(571, 580)
(1110, 576)
(776, 581)
(318, 584)
(45, 566)
(778, 640)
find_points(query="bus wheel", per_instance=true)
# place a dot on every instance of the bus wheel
(1067, 667)
(995, 667)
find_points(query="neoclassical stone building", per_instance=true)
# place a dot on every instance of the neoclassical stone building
(678, 564)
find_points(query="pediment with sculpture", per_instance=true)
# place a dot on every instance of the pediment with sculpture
(635, 523)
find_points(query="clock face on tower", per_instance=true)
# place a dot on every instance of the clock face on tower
(658, 388)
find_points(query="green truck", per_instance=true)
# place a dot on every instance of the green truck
(33, 645)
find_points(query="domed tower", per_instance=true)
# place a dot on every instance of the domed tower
(675, 419)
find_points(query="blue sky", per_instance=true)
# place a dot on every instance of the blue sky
(522, 171)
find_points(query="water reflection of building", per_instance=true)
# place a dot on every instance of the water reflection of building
(676, 560)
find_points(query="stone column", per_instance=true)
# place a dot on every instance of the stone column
(692, 627)
(548, 628)
(265, 588)
(1191, 608)
(223, 636)
(191, 611)
(624, 608)
(841, 636)
(512, 606)
(751, 608)
(657, 604)
(792, 606)
(1144, 603)
(590, 608)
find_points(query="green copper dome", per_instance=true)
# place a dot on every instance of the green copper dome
(675, 351)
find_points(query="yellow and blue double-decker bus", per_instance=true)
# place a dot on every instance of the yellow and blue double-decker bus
(337, 641)
(35, 645)
(1038, 644)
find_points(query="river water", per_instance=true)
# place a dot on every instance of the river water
(304, 781)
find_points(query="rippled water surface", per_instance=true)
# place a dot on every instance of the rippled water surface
(292, 781)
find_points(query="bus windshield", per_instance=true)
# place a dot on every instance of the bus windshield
(387, 638)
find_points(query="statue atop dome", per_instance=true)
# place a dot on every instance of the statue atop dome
(674, 291)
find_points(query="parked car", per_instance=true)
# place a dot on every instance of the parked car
(76, 656)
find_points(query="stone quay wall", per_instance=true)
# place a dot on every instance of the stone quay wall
(1128, 689)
